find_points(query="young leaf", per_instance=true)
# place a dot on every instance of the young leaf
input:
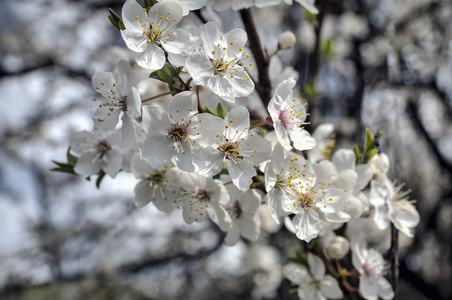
(222, 111)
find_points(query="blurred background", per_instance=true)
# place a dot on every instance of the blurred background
(382, 64)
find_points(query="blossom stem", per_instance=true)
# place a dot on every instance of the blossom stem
(158, 96)
(263, 123)
(200, 108)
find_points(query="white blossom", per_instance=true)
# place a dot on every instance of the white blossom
(216, 63)
(152, 33)
(313, 283)
(288, 114)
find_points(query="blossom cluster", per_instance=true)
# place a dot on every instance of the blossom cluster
(220, 164)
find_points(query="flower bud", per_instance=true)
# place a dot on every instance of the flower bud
(286, 40)
(338, 247)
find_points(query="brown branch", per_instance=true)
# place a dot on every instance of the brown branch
(394, 260)
(263, 87)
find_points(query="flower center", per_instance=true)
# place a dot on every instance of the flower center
(203, 196)
(236, 210)
(230, 150)
(102, 147)
(178, 132)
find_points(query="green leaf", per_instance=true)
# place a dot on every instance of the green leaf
(99, 179)
(167, 73)
(155, 75)
(309, 91)
(222, 111)
(148, 4)
(357, 154)
(309, 16)
(116, 20)
(71, 159)
(299, 258)
(67, 169)
(209, 111)
(368, 141)
(369, 154)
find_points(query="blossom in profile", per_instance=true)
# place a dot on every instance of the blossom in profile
(314, 283)
(392, 204)
(288, 115)
(242, 208)
(370, 265)
(153, 33)
(216, 63)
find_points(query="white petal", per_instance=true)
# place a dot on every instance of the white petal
(200, 68)
(157, 150)
(307, 225)
(153, 58)
(384, 289)
(142, 193)
(316, 266)
(241, 174)
(330, 288)
(368, 287)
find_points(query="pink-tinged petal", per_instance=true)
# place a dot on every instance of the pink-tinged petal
(384, 289)
(135, 41)
(200, 68)
(368, 287)
(316, 266)
(142, 193)
(307, 225)
(241, 174)
(330, 288)
(282, 134)
(153, 58)
(130, 11)
(157, 150)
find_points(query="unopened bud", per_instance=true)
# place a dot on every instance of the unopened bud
(338, 247)
(286, 40)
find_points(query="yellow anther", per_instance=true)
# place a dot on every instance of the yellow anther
(231, 43)
(213, 52)
(227, 126)
(231, 121)
(156, 11)
(137, 18)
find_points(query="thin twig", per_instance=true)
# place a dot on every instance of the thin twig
(263, 87)
(394, 259)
